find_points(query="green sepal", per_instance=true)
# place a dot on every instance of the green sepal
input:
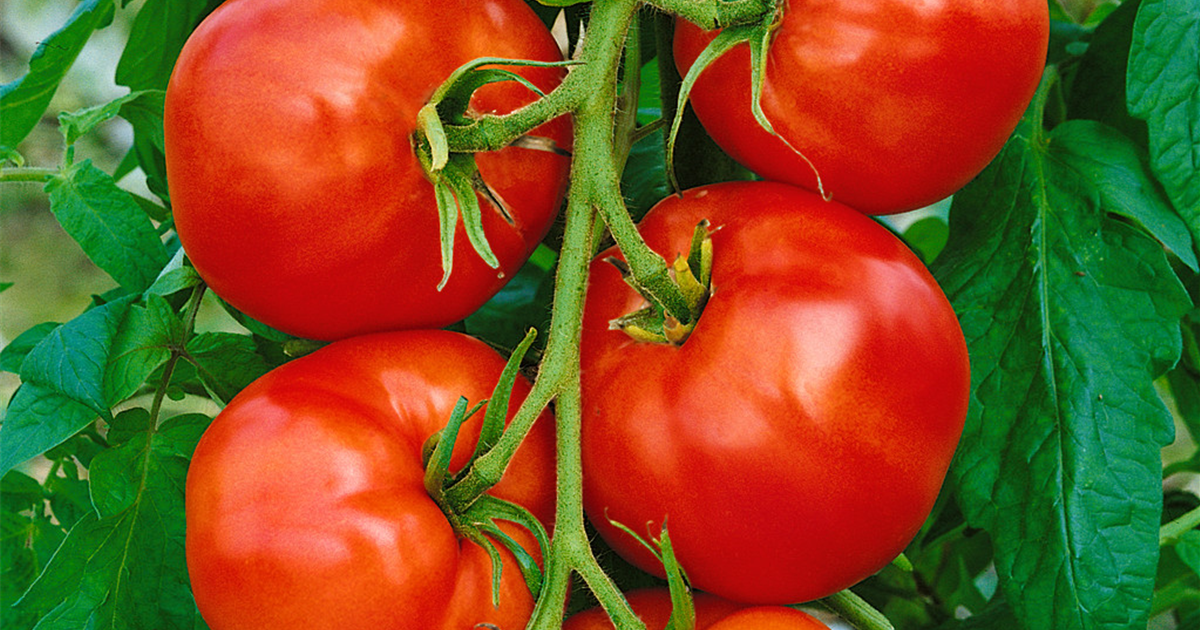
(454, 94)
(462, 176)
(483, 514)
(683, 609)
(457, 187)
(497, 411)
(757, 36)
(438, 467)
(435, 134)
(725, 41)
(447, 222)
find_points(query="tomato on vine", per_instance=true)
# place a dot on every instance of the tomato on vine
(897, 104)
(306, 503)
(295, 188)
(796, 441)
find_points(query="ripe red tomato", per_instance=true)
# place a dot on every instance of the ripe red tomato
(306, 506)
(653, 606)
(897, 103)
(797, 440)
(295, 189)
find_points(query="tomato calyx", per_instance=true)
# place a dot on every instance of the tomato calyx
(455, 176)
(683, 608)
(693, 276)
(470, 510)
(758, 36)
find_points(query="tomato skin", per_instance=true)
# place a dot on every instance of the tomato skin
(797, 440)
(294, 186)
(653, 607)
(897, 103)
(305, 499)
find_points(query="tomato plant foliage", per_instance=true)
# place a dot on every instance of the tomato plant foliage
(1070, 263)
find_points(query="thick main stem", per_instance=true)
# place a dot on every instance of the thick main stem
(592, 176)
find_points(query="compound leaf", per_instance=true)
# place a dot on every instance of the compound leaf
(23, 101)
(123, 566)
(1069, 314)
(1163, 88)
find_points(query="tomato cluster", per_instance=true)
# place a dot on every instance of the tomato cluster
(299, 198)
(793, 442)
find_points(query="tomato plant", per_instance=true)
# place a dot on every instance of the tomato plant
(295, 188)
(653, 606)
(826, 367)
(897, 104)
(787, 430)
(306, 503)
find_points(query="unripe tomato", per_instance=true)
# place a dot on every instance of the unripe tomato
(306, 505)
(796, 441)
(897, 103)
(295, 188)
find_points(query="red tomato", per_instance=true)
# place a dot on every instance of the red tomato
(295, 189)
(306, 506)
(653, 606)
(797, 440)
(898, 103)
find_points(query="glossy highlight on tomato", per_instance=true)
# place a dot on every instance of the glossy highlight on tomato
(306, 505)
(653, 607)
(797, 440)
(295, 189)
(897, 103)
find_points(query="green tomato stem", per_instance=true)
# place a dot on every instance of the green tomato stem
(1169, 534)
(856, 611)
(27, 174)
(589, 92)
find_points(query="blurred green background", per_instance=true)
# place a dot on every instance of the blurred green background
(53, 280)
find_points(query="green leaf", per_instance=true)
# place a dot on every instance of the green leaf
(12, 355)
(1117, 169)
(155, 39)
(175, 277)
(23, 101)
(927, 237)
(108, 224)
(71, 360)
(644, 181)
(75, 125)
(1164, 90)
(81, 369)
(141, 346)
(4, 286)
(1069, 315)
(1098, 88)
(1188, 550)
(38, 419)
(124, 565)
(28, 538)
(225, 362)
